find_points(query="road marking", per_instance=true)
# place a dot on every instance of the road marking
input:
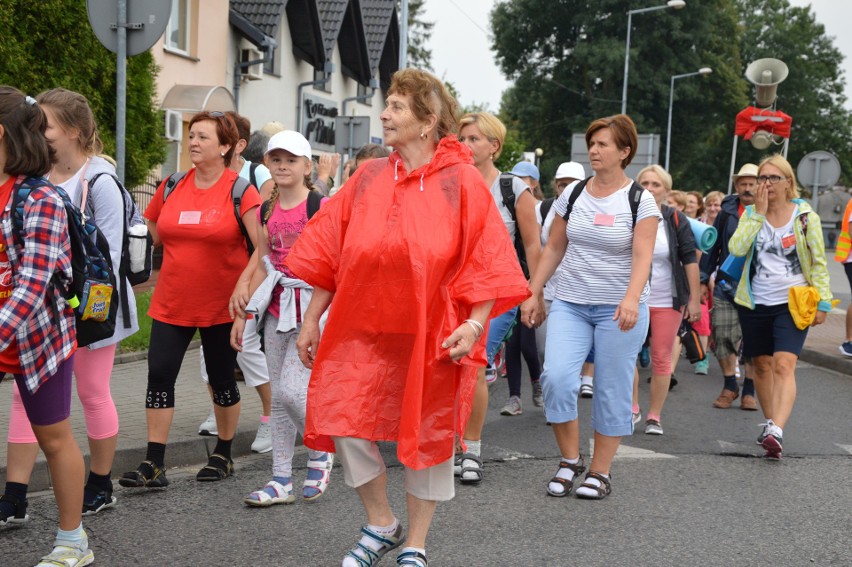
(847, 448)
(628, 452)
(727, 446)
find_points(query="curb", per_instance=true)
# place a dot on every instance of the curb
(829, 361)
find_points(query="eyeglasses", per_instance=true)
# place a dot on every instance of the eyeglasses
(217, 114)
(772, 179)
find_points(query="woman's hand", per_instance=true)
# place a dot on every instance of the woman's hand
(239, 300)
(532, 312)
(308, 342)
(761, 199)
(693, 309)
(819, 318)
(627, 313)
(460, 341)
(237, 330)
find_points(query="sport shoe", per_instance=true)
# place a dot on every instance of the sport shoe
(637, 417)
(846, 349)
(645, 357)
(702, 367)
(208, 427)
(490, 374)
(653, 427)
(65, 556)
(538, 398)
(19, 516)
(263, 440)
(512, 407)
(772, 441)
(95, 500)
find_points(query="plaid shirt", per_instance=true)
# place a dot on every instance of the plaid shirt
(36, 314)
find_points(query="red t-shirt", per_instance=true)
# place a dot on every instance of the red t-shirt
(203, 250)
(9, 359)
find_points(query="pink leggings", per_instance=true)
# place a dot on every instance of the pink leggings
(92, 370)
(665, 322)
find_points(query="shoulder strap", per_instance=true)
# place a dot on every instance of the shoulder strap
(545, 207)
(253, 175)
(172, 182)
(238, 189)
(314, 201)
(508, 193)
(634, 196)
(575, 194)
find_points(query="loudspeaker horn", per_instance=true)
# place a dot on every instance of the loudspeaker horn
(766, 74)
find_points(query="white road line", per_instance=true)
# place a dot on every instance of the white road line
(628, 452)
(847, 448)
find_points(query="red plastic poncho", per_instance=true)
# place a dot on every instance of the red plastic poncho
(406, 255)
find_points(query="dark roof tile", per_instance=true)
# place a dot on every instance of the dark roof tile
(264, 14)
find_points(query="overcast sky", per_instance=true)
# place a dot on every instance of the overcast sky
(473, 72)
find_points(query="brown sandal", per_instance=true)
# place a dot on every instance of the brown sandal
(601, 491)
(217, 468)
(567, 485)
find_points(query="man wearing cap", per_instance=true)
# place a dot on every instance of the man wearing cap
(726, 332)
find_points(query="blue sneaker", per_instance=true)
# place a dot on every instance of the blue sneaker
(645, 357)
(846, 349)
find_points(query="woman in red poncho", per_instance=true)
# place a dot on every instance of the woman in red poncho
(413, 259)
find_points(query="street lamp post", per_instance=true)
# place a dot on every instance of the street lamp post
(702, 71)
(675, 4)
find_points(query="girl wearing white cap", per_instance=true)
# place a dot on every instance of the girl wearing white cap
(279, 301)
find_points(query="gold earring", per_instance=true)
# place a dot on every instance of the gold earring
(422, 135)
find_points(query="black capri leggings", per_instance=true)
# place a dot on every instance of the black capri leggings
(167, 349)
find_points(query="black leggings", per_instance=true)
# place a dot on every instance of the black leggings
(521, 342)
(167, 348)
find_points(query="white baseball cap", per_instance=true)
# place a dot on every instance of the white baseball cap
(291, 141)
(570, 169)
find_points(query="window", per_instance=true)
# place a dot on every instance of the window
(177, 30)
(366, 93)
(319, 75)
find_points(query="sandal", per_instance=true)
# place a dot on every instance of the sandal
(366, 556)
(146, 475)
(567, 485)
(271, 494)
(600, 492)
(19, 516)
(320, 484)
(457, 467)
(413, 558)
(471, 464)
(217, 468)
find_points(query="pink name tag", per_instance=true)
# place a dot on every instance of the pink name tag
(190, 217)
(788, 241)
(604, 220)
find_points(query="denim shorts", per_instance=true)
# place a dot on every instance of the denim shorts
(571, 331)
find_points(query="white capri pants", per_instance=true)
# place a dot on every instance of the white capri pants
(362, 462)
(251, 360)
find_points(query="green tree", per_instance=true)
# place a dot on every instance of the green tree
(566, 61)
(50, 43)
(419, 33)
(813, 92)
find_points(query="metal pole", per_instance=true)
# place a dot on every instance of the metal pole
(121, 89)
(626, 63)
(733, 164)
(816, 185)
(403, 36)
(669, 128)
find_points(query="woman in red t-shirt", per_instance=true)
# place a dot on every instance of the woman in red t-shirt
(203, 255)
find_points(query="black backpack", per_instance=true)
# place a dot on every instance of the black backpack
(93, 281)
(314, 201)
(132, 217)
(238, 189)
(509, 202)
(634, 196)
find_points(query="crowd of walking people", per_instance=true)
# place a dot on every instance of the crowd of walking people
(374, 311)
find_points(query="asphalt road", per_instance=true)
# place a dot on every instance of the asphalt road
(699, 495)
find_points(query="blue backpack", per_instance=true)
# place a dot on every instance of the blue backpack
(92, 285)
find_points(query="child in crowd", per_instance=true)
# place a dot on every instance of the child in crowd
(279, 301)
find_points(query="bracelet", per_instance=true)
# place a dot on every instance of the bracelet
(478, 329)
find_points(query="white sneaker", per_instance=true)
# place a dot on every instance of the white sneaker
(208, 427)
(64, 556)
(263, 440)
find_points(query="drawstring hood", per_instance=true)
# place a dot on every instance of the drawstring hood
(396, 170)
(421, 181)
(449, 152)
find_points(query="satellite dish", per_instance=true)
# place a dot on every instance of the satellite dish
(146, 22)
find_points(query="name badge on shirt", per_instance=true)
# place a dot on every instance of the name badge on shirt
(788, 241)
(604, 220)
(190, 217)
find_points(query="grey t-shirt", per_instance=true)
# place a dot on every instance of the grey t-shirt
(518, 187)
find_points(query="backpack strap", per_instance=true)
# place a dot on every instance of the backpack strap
(314, 202)
(171, 183)
(253, 175)
(572, 198)
(508, 193)
(634, 196)
(545, 207)
(238, 189)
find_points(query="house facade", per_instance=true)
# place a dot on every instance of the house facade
(316, 66)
